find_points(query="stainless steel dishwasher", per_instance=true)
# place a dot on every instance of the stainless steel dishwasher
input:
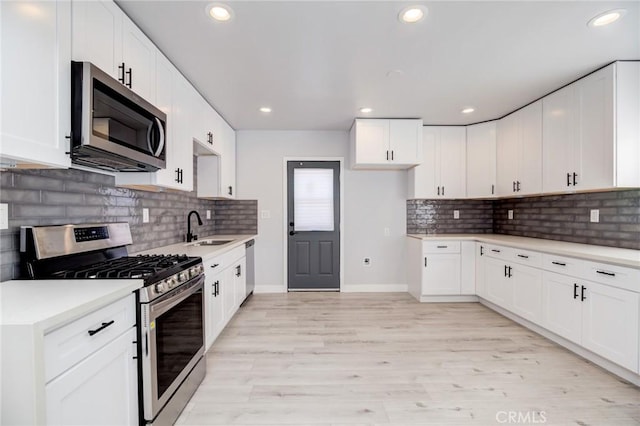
(250, 269)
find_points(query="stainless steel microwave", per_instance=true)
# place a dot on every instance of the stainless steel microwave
(112, 128)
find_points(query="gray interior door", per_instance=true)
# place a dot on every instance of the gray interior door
(313, 217)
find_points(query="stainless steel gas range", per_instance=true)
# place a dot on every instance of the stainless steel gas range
(170, 311)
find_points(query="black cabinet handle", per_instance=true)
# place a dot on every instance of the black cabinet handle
(559, 263)
(481, 250)
(609, 274)
(387, 155)
(523, 256)
(582, 296)
(442, 246)
(292, 232)
(438, 190)
(442, 189)
(510, 272)
(568, 179)
(146, 344)
(130, 74)
(492, 189)
(575, 177)
(391, 155)
(177, 175)
(425, 262)
(121, 67)
(210, 138)
(514, 186)
(215, 265)
(505, 270)
(495, 250)
(230, 190)
(517, 186)
(575, 291)
(102, 327)
(238, 271)
(216, 289)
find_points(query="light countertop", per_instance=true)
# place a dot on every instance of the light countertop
(47, 304)
(615, 256)
(205, 252)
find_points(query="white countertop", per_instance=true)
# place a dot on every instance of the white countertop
(616, 256)
(205, 252)
(47, 304)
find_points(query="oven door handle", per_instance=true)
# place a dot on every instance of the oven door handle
(158, 308)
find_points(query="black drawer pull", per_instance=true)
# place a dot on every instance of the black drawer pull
(442, 246)
(559, 263)
(582, 296)
(102, 327)
(495, 251)
(523, 256)
(215, 265)
(609, 274)
(575, 291)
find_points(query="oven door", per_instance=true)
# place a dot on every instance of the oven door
(172, 332)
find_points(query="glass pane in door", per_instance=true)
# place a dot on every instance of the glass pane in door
(313, 199)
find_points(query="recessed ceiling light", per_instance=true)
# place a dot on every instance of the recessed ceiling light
(220, 12)
(265, 109)
(606, 18)
(467, 110)
(366, 110)
(412, 14)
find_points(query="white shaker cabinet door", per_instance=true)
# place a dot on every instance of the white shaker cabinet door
(562, 310)
(498, 288)
(530, 158)
(481, 160)
(139, 56)
(97, 35)
(507, 155)
(441, 275)
(451, 162)
(404, 141)
(372, 145)
(101, 389)
(559, 134)
(527, 292)
(35, 89)
(610, 323)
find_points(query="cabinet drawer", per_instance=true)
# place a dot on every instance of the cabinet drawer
(441, 247)
(526, 257)
(68, 345)
(497, 252)
(617, 276)
(562, 265)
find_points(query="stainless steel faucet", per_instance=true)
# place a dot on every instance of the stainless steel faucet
(190, 236)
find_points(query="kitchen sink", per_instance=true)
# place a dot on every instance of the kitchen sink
(210, 242)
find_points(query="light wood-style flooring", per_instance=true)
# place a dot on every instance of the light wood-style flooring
(385, 359)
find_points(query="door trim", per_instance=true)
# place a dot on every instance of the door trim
(285, 226)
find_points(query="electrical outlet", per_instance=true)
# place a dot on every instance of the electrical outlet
(208, 214)
(367, 261)
(456, 214)
(387, 232)
(595, 215)
(145, 215)
(4, 216)
(265, 214)
(510, 214)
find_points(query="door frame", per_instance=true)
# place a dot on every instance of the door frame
(285, 225)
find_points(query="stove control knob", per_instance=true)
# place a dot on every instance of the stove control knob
(159, 288)
(170, 282)
(183, 276)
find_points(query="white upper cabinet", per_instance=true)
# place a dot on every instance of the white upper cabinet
(385, 144)
(441, 173)
(106, 37)
(35, 86)
(519, 152)
(217, 173)
(481, 160)
(591, 137)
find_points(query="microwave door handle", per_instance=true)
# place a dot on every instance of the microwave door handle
(158, 151)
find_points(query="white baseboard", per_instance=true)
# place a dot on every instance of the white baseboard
(275, 288)
(374, 288)
(578, 350)
(449, 299)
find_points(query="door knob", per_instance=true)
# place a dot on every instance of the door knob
(292, 232)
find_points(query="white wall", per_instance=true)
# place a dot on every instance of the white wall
(373, 201)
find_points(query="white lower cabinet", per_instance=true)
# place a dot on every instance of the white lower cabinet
(498, 288)
(562, 313)
(527, 291)
(441, 274)
(225, 287)
(101, 389)
(481, 284)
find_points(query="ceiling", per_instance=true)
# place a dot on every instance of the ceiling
(315, 63)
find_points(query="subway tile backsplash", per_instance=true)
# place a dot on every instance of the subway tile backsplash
(56, 197)
(556, 217)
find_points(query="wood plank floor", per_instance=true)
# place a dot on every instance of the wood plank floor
(369, 359)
